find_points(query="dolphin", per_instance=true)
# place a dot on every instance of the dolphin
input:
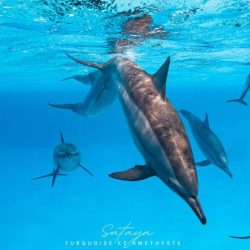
(244, 93)
(102, 94)
(208, 142)
(66, 158)
(155, 126)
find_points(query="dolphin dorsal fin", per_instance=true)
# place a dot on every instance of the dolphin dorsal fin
(206, 121)
(160, 77)
(61, 136)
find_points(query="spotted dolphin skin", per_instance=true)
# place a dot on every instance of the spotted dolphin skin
(244, 93)
(66, 158)
(208, 142)
(155, 127)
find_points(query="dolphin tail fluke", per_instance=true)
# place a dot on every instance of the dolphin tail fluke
(196, 207)
(86, 63)
(81, 166)
(238, 100)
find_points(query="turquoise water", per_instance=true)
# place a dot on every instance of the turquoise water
(208, 42)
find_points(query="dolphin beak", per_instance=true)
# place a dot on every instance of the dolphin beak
(228, 172)
(196, 207)
(183, 112)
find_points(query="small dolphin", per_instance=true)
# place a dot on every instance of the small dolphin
(66, 159)
(244, 93)
(208, 142)
(155, 126)
(102, 94)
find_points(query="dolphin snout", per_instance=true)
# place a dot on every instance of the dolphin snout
(228, 172)
(196, 207)
(184, 112)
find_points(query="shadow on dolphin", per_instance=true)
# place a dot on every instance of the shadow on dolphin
(208, 142)
(66, 159)
(155, 126)
(244, 93)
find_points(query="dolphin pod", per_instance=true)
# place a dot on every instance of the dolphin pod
(208, 142)
(66, 158)
(155, 126)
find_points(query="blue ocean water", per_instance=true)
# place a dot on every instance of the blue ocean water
(208, 42)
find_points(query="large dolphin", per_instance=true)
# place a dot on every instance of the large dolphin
(208, 142)
(66, 158)
(155, 126)
(244, 93)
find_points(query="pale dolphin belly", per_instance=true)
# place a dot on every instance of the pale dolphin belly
(156, 129)
(205, 148)
(210, 146)
(144, 137)
(66, 164)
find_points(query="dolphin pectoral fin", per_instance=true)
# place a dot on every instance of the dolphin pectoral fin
(86, 170)
(160, 78)
(240, 237)
(84, 79)
(74, 107)
(48, 175)
(239, 101)
(43, 176)
(54, 174)
(137, 173)
(203, 163)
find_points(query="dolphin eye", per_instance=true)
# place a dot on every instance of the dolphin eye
(62, 155)
(74, 154)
